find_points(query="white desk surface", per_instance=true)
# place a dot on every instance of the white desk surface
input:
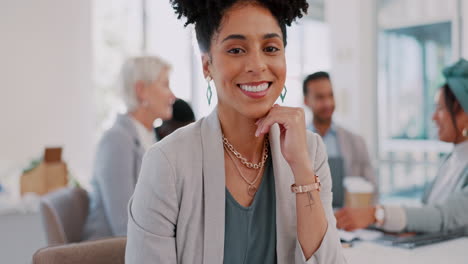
(449, 252)
(21, 234)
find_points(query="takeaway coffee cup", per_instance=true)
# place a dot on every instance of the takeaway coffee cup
(359, 192)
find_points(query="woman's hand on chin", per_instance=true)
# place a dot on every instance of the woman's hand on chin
(293, 136)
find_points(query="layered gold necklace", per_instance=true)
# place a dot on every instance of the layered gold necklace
(233, 153)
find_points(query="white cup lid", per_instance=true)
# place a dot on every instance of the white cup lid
(357, 184)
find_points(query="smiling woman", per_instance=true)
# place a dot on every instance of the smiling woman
(247, 63)
(247, 184)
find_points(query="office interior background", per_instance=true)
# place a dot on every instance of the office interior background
(60, 61)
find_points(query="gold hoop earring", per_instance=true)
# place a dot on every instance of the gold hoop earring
(465, 132)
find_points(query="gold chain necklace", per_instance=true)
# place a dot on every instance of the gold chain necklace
(251, 189)
(243, 160)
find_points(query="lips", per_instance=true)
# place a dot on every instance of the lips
(255, 89)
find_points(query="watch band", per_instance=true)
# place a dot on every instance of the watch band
(307, 188)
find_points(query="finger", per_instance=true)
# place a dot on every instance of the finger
(282, 129)
(261, 124)
(277, 115)
(342, 223)
(338, 225)
(339, 213)
(259, 121)
(264, 126)
(342, 220)
(286, 117)
(350, 226)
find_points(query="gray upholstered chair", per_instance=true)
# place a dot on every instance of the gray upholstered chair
(64, 214)
(104, 251)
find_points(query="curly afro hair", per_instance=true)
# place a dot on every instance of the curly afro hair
(206, 15)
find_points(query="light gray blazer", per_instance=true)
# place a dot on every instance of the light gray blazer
(356, 156)
(177, 212)
(117, 164)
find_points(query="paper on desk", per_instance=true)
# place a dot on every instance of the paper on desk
(360, 234)
(29, 203)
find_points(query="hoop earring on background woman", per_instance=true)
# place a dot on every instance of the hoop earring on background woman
(209, 93)
(283, 94)
(465, 132)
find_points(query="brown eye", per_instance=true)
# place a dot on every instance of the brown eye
(236, 51)
(270, 49)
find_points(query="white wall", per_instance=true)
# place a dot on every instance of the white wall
(352, 26)
(353, 37)
(464, 28)
(46, 95)
(168, 38)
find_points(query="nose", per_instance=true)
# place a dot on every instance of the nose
(172, 96)
(329, 102)
(256, 62)
(434, 116)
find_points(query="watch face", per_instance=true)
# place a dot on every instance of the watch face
(379, 214)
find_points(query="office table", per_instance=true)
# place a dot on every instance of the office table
(448, 252)
(21, 234)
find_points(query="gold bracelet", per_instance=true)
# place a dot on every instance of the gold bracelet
(307, 188)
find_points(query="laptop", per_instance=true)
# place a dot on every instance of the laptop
(418, 240)
(337, 173)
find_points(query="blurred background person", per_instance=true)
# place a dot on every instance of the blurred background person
(347, 152)
(147, 96)
(446, 200)
(182, 115)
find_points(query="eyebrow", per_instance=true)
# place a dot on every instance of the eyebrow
(271, 35)
(242, 37)
(234, 36)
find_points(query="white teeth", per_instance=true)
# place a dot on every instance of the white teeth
(259, 88)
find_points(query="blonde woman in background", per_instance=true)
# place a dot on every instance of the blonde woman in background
(146, 93)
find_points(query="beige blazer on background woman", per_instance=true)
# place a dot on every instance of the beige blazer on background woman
(177, 212)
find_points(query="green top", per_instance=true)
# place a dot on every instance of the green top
(250, 232)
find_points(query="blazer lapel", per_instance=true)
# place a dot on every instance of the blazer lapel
(213, 188)
(214, 193)
(285, 201)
